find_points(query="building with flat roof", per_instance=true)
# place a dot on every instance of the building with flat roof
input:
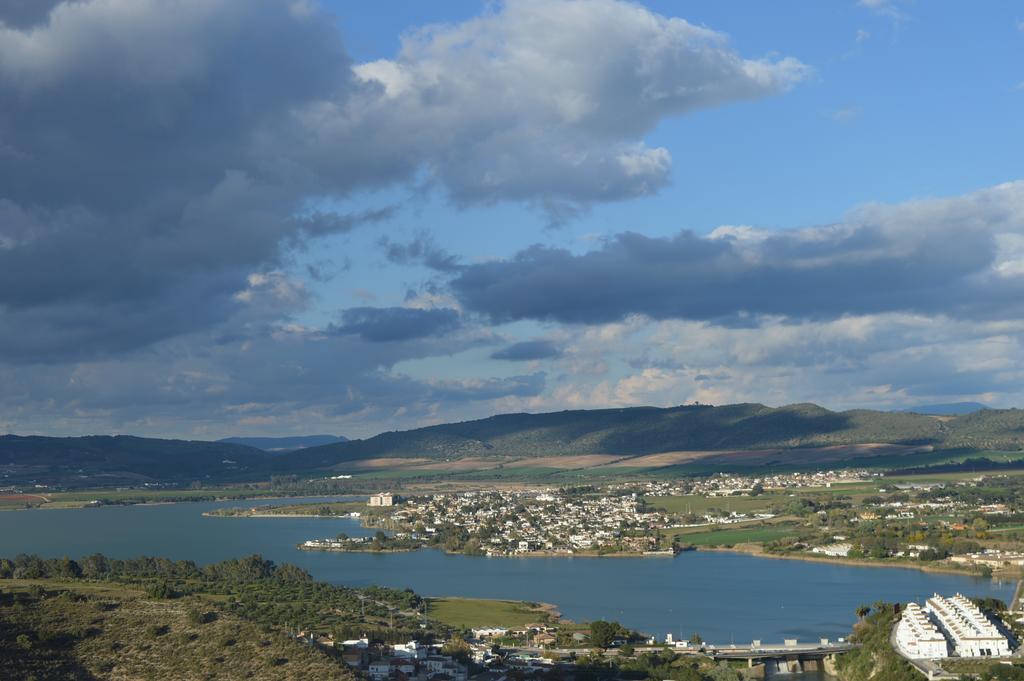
(918, 637)
(969, 631)
(993, 559)
(382, 499)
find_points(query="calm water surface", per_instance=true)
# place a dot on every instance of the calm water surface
(723, 596)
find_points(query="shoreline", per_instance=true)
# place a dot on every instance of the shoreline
(210, 514)
(62, 505)
(531, 554)
(300, 547)
(754, 550)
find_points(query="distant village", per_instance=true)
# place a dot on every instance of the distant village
(617, 520)
(923, 521)
(515, 523)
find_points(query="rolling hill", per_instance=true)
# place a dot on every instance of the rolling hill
(639, 431)
(124, 459)
(639, 437)
(947, 409)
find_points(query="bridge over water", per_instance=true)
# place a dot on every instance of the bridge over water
(789, 656)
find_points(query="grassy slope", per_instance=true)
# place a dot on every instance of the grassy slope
(645, 430)
(629, 432)
(634, 431)
(109, 631)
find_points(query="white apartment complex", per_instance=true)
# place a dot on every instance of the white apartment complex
(969, 631)
(382, 499)
(918, 637)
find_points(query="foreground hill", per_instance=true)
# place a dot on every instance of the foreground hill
(113, 632)
(635, 432)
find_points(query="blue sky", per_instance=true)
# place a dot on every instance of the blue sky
(924, 103)
(345, 217)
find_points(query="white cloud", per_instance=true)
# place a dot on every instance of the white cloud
(207, 129)
(542, 100)
(889, 8)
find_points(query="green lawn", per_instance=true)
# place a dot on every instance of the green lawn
(480, 612)
(744, 535)
(1006, 528)
(950, 477)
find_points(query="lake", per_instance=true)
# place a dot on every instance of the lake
(723, 596)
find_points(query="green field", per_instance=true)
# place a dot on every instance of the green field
(700, 504)
(156, 495)
(335, 508)
(744, 535)
(80, 498)
(479, 612)
(1006, 528)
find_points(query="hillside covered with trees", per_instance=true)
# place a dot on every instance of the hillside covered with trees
(628, 432)
(154, 618)
(649, 430)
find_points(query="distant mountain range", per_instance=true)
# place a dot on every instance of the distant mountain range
(642, 431)
(801, 433)
(285, 444)
(123, 459)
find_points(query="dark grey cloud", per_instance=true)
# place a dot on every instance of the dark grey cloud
(263, 379)
(137, 189)
(422, 250)
(160, 170)
(26, 13)
(952, 256)
(528, 350)
(385, 324)
(151, 160)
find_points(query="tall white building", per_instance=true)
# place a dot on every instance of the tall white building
(382, 499)
(918, 637)
(969, 631)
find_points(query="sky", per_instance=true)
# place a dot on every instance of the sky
(278, 217)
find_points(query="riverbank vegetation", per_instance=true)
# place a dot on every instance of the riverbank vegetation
(331, 509)
(118, 497)
(875, 659)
